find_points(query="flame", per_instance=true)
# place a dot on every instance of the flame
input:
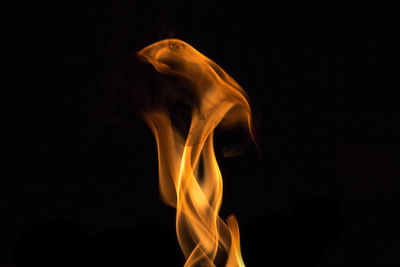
(196, 195)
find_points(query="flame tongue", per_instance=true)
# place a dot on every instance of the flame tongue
(197, 196)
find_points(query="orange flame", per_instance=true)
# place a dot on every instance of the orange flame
(197, 196)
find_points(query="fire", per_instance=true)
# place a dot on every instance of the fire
(197, 194)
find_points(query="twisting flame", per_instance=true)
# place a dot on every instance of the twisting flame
(197, 196)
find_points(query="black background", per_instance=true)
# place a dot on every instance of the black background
(81, 175)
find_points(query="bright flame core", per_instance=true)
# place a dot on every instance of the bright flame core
(201, 233)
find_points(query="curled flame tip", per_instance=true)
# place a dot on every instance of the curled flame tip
(197, 194)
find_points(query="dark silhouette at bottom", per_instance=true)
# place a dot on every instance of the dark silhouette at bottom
(145, 245)
(59, 243)
(56, 242)
(295, 240)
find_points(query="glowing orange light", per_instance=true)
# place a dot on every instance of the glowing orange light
(196, 195)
